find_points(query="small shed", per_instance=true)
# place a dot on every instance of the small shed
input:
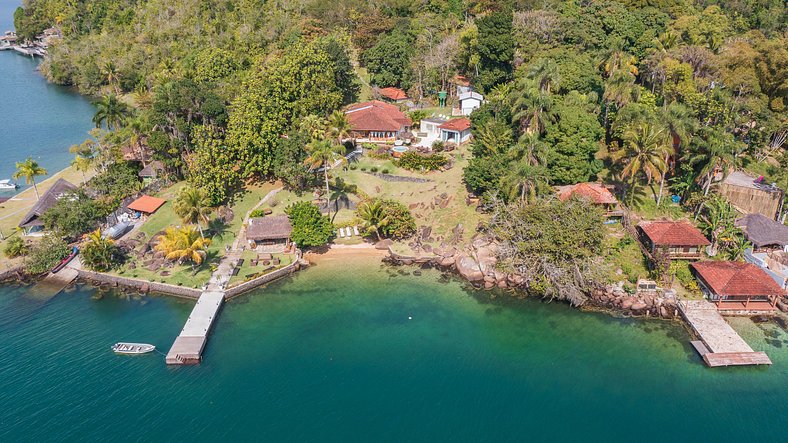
(469, 101)
(31, 223)
(151, 171)
(273, 230)
(596, 193)
(392, 94)
(146, 204)
(750, 195)
(764, 233)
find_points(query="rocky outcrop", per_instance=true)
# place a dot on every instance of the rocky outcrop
(478, 265)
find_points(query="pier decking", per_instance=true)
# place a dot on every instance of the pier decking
(189, 345)
(719, 344)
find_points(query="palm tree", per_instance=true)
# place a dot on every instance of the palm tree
(84, 156)
(373, 215)
(545, 72)
(314, 126)
(619, 89)
(111, 75)
(645, 149)
(99, 253)
(681, 124)
(523, 181)
(323, 153)
(111, 111)
(29, 169)
(136, 128)
(183, 244)
(716, 220)
(531, 107)
(193, 205)
(338, 126)
(715, 155)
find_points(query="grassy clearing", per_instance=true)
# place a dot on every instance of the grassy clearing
(248, 271)
(623, 253)
(184, 274)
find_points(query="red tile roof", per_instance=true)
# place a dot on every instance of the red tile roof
(670, 233)
(595, 192)
(736, 278)
(376, 116)
(393, 93)
(146, 204)
(456, 124)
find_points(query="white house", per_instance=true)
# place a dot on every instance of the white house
(469, 101)
(457, 130)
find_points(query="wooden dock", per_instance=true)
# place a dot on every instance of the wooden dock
(189, 345)
(719, 344)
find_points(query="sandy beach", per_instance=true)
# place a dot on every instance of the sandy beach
(346, 252)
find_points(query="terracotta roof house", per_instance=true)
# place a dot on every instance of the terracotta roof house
(456, 130)
(737, 286)
(146, 204)
(750, 195)
(31, 222)
(596, 193)
(377, 121)
(393, 94)
(272, 230)
(764, 233)
(679, 239)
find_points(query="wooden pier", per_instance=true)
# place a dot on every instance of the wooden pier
(719, 344)
(189, 345)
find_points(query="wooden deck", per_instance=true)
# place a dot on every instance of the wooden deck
(188, 346)
(721, 345)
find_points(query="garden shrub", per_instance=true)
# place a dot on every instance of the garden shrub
(416, 162)
(45, 254)
(15, 247)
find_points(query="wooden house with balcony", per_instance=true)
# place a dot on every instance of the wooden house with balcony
(737, 286)
(677, 239)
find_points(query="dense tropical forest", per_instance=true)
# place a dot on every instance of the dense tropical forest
(659, 97)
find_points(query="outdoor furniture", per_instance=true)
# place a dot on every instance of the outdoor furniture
(355, 230)
(266, 256)
(235, 271)
(276, 261)
(341, 232)
(240, 262)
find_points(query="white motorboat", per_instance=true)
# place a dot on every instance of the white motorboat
(132, 348)
(8, 184)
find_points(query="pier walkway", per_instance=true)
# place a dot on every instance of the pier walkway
(719, 344)
(189, 345)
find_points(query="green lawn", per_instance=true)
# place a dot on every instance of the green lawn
(623, 252)
(248, 272)
(165, 216)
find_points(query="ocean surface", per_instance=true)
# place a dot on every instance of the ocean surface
(37, 119)
(354, 351)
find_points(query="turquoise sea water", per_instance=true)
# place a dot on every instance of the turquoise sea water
(37, 119)
(352, 351)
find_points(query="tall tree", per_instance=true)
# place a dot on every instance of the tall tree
(183, 244)
(111, 111)
(324, 153)
(29, 169)
(495, 46)
(645, 150)
(193, 205)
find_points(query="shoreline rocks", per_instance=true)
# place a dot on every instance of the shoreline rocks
(477, 265)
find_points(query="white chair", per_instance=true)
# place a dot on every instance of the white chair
(355, 230)
(341, 232)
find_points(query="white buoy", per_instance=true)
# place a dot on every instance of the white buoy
(410, 318)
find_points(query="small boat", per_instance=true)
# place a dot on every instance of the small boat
(66, 260)
(8, 184)
(132, 348)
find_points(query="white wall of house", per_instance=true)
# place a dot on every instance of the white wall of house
(455, 136)
(468, 105)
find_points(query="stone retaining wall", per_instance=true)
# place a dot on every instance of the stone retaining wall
(10, 273)
(263, 279)
(140, 285)
(398, 178)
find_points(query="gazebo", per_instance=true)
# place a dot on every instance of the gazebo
(737, 286)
